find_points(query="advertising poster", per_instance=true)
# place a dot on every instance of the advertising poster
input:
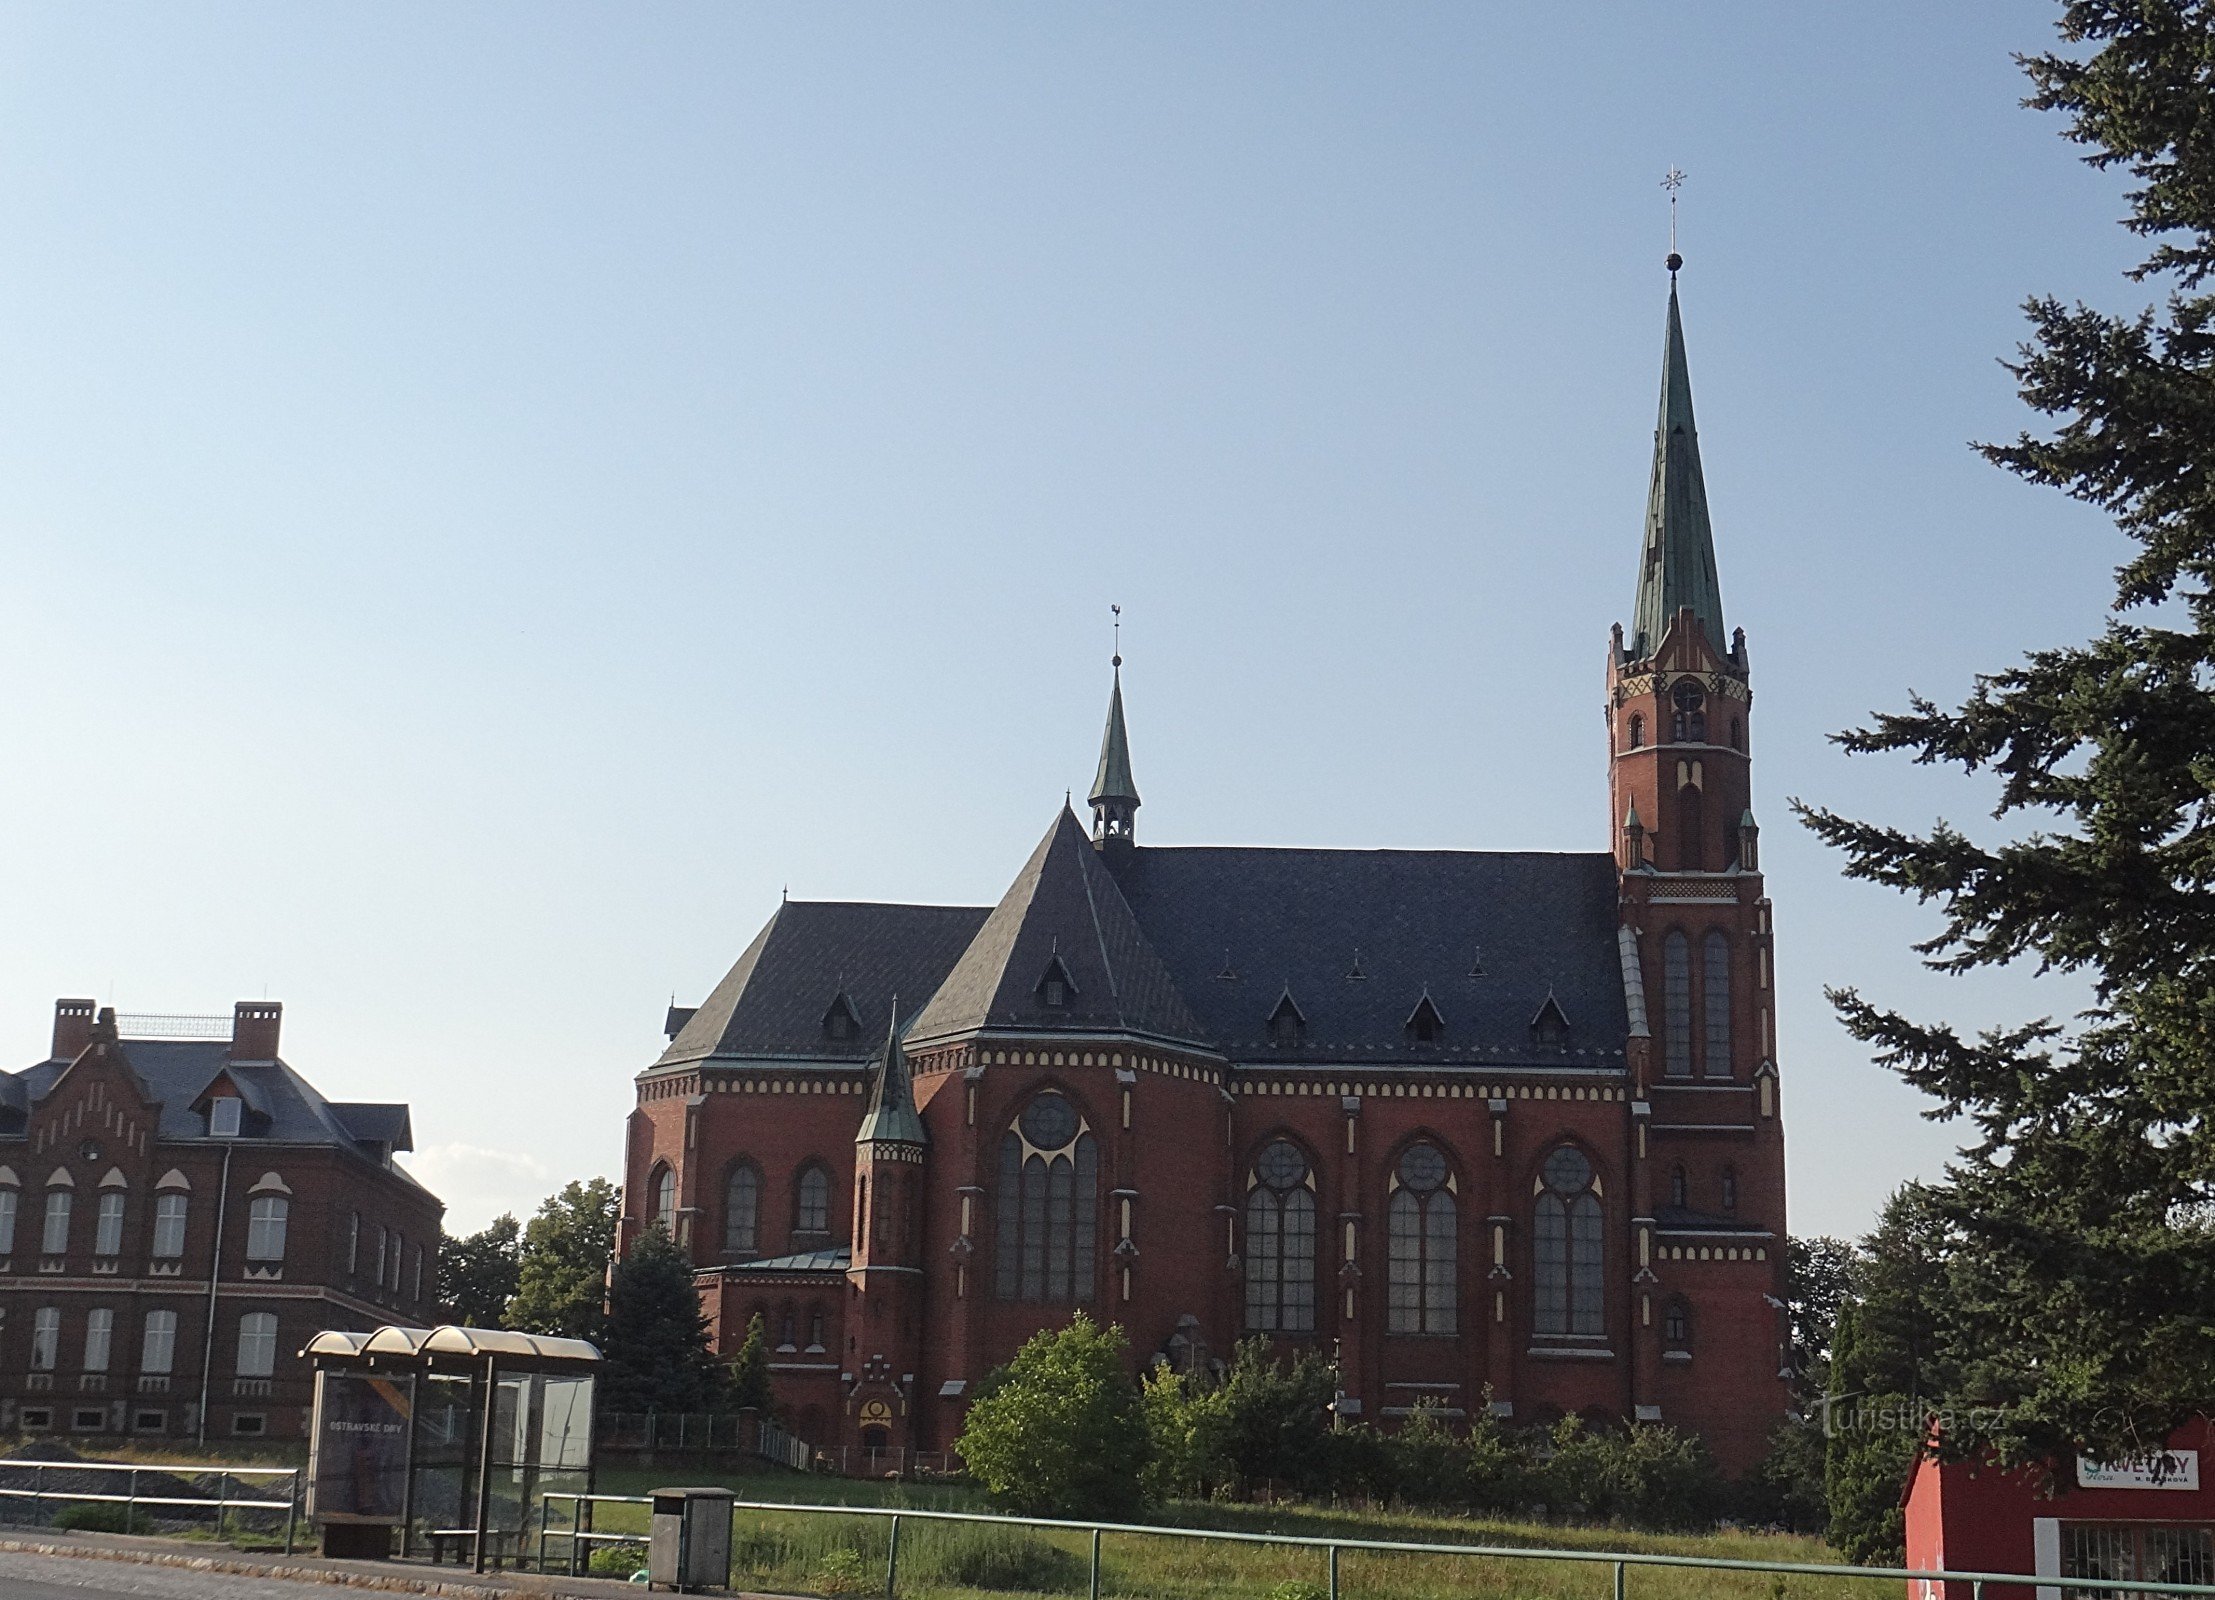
(360, 1470)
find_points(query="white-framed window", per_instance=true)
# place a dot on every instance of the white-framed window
(107, 1233)
(157, 1351)
(265, 1227)
(415, 1276)
(257, 1344)
(99, 1336)
(399, 1252)
(665, 1200)
(384, 1239)
(353, 1243)
(223, 1117)
(46, 1338)
(169, 1226)
(8, 1198)
(54, 1238)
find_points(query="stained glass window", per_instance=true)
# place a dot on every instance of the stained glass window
(1280, 1242)
(1421, 1246)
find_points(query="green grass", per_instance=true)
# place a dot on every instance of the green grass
(800, 1553)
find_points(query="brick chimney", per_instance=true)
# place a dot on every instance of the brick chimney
(254, 1025)
(72, 1028)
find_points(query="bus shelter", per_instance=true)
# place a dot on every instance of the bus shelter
(447, 1436)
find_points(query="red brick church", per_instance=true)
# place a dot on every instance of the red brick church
(1497, 1128)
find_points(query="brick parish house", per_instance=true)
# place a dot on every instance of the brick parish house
(180, 1212)
(1496, 1129)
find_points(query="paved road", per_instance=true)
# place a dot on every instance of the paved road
(29, 1577)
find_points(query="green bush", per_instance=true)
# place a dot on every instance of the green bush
(1059, 1431)
(616, 1560)
(103, 1519)
(1297, 1589)
(977, 1556)
(842, 1571)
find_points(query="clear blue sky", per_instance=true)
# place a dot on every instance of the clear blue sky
(490, 494)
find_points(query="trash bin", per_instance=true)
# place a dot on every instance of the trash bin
(690, 1544)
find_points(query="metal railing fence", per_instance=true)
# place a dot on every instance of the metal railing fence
(43, 1489)
(1621, 1561)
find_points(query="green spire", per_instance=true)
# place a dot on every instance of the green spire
(1677, 566)
(1114, 790)
(890, 1116)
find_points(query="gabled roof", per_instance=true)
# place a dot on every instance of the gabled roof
(1677, 563)
(773, 1000)
(1064, 905)
(1293, 919)
(176, 1072)
(369, 1123)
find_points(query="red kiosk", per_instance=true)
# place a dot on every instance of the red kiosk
(2100, 1522)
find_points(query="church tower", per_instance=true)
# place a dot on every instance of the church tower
(885, 1315)
(1114, 791)
(1707, 1143)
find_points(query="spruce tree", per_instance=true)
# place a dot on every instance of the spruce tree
(657, 1356)
(748, 1383)
(2084, 1263)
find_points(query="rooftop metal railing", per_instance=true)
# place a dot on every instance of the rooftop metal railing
(581, 1536)
(44, 1490)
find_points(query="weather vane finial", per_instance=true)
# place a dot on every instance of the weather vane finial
(1118, 610)
(1673, 180)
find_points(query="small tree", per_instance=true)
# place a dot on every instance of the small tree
(1059, 1431)
(476, 1273)
(562, 1273)
(658, 1356)
(1182, 1414)
(748, 1384)
(1273, 1422)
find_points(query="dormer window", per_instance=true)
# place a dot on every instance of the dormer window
(1424, 1024)
(841, 1021)
(1055, 989)
(1285, 1022)
(224, 1116)
(1550, 1028)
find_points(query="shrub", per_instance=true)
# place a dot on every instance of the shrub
(1297, 1589)
(1059, 1430)
(616, 1560)
(99, 1518)
(842, 1571)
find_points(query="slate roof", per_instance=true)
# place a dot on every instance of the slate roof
(890, 1115)
(1487, 936)
(1199, 946)
(1063, 911)
(806, 1261)
(285, 1108)
(773, 1000)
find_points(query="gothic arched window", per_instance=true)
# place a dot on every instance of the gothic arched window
(742, 1209)
(665, 1202)
(1637, 731)
(1680, 1187)
(1047, 1204)
(1570, 1275)
(1280, 1241)
(1676, 1005)
(1730, 1188)
(1420, 1235)
(1676, 1324)
(811, 1202)
(1715, 1003)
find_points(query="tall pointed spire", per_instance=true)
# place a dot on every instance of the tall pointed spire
(1677, 566)
(1114, 791)
(890, 1116)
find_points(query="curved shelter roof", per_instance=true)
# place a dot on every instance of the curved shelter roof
(502, 1343)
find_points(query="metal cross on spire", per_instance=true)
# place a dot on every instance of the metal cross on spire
(1673, 180)
(1118, 610)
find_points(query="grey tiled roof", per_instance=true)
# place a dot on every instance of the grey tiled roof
(773, 1000)
(1199, 946)
(1487, 936)
(1065, 908)
(282, 1106)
